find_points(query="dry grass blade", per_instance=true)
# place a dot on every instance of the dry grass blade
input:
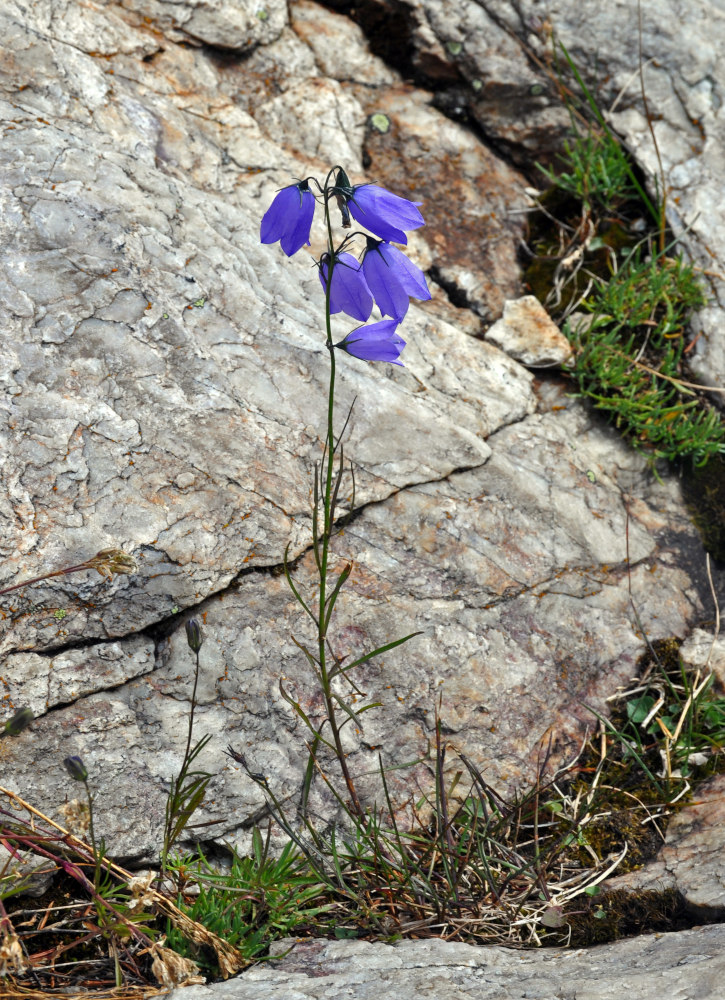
(12, 990)
(229, 959)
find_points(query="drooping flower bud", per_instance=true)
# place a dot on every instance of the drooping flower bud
(194, 635)
(76, 768)
(19, 721)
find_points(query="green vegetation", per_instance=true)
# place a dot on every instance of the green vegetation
(464, 863)
(251, 903)
(603, 266)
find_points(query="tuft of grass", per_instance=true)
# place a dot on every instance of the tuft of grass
(629, 355)
(257, 900)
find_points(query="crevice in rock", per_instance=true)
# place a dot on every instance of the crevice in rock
(389, 30)
(456, 295)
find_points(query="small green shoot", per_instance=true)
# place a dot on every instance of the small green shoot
(188, 788)
(259, 899)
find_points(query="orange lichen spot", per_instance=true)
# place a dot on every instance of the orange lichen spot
(149, 306)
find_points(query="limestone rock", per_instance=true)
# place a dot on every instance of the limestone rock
(690, 860)
(164, 383)
(528, 334)
(688, 964)
(226, 24)
(705, 652)
(497, 58)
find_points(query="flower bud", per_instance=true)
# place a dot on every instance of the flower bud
(20, 721)
(194, 635)
(76, 768)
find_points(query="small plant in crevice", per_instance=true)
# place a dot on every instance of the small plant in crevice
(248, 902)
(188, 788)
(601, 260)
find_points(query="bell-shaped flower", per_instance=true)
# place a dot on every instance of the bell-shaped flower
(377, 342)
(392, 279)
(384, 213)
(289, 218)
(349, 292)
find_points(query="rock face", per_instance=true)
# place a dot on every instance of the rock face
(494, 60)
(687, 964)
(164, 382)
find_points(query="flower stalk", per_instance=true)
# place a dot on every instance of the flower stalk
(385, 277)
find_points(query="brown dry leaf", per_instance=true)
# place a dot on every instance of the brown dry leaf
(171, 969)
(12, 959)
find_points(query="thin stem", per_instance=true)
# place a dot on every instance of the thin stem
(327, 470)
(96, 854)
(46, 576)
(192, 708)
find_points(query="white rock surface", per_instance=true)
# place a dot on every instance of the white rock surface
(689, 964)
(528, 334)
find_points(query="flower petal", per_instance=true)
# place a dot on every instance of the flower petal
(349, 293)
(384, 213)
(383, 281)
(289, 218)
(410, 276)
(299, 235)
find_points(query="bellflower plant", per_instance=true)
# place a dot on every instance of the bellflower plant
(387, 277)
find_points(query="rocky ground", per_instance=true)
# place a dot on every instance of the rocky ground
(164, 383)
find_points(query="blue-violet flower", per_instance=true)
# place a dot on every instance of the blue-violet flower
(383, 213)
(377, 342)
(392, 279)
(289, 218)
(349, 292)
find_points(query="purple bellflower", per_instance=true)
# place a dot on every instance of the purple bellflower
(383, 213)
(289, 218)
(392, 279)
(377, 342)
(349, 292)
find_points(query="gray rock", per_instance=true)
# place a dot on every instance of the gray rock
(690, 860)
(686, 964)
(165, 380)
(496, 55)
(226, 24)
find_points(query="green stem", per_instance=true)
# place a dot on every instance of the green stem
(96, 853)
(327, 470)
